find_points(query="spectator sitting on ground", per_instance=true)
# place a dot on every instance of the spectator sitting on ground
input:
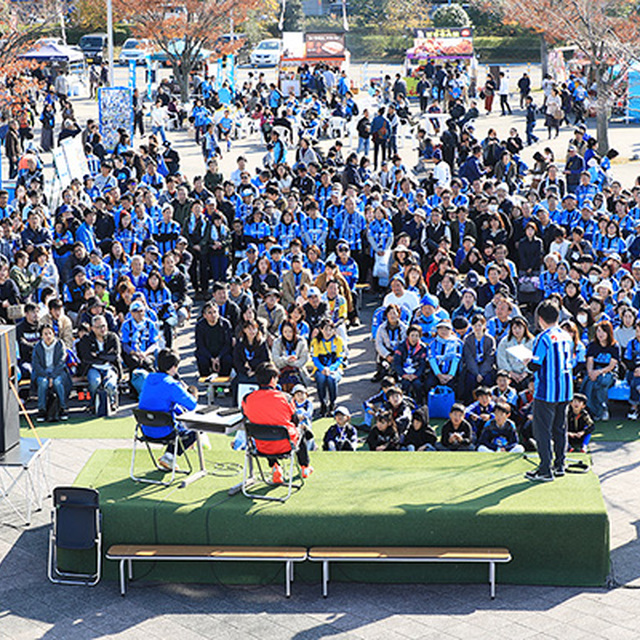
(499, 433)
(420, 436)
(384, 435)
(579, 424)
(456, 432)
(342, 435)
(480, 412)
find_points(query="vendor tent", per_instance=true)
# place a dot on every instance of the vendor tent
(53, 53)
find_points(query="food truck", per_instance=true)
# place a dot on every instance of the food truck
(311, 49)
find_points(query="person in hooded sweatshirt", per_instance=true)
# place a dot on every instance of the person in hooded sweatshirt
(162, 391)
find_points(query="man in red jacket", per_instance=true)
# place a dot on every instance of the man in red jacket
(270, 406)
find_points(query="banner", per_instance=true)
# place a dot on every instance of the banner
(446, 43)
(325, 45)
(115, 111)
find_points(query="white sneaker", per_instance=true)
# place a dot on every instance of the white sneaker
(204, 440)
(605, 416)
(632, 415)
(166, 461)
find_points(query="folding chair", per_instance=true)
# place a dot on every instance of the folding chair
(75, 526)
(268, 433)
(146, 418)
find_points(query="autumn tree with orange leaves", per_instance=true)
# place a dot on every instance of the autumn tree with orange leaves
(21, 24)
(607, 32)
(184, 28)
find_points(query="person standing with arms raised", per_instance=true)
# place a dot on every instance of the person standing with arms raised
(553, 375)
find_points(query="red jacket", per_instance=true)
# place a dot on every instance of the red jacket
(272, 407)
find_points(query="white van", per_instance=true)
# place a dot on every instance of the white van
(267, 53)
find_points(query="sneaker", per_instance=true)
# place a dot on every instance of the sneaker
(558, 472)
(605, 416)
(537, 476)
(632, 415)
(166, 461)
(307, 471)
(63, 415)
(276, 476)
(41, 417)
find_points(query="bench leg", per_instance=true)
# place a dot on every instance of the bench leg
(325, 578)
(287, 578)
(492, 579)
(123, 583)
(130, 564)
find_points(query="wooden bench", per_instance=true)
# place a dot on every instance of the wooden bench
(213, 383)
(128, 553)
(408, 554)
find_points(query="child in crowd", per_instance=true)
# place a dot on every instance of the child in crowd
(401, 409)
(579, 423)
(304, 411)
(499, 434)
(504, 391)
(384, 435)
(480, 412)
(456, 432)
(377, 401)
(421, 436)
(341, 436)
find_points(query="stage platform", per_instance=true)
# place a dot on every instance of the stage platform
(558, 533)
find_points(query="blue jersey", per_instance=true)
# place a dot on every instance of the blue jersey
(552, 361)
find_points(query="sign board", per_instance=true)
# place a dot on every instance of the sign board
(115, 111)
(442, 44)
(325, 45)
(70, 161)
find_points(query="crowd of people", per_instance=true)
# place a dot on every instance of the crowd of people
(458, 249)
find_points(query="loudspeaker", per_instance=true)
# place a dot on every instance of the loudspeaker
(9, 409)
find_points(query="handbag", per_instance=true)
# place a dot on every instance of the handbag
(528, 284)
(15, 311)
(381, 265)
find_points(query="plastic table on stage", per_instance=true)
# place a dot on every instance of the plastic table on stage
(214, 420)
(26, 465)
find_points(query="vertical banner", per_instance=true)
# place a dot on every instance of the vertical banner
(132, 74)
(77, 165)
(62, 168)
(115, 110)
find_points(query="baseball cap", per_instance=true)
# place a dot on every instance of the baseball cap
(313, 291)
(79, 269)
(299, 387)
(343, 410)
(444, 324)
(138, 305)
(252, 247)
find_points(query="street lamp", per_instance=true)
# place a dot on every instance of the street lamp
(110, 39)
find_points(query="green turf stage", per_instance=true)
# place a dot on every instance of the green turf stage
(558, 533)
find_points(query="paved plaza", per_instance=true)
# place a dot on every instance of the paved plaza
(31, 607)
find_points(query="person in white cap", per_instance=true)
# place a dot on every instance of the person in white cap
(342, 435)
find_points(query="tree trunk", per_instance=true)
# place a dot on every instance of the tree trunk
(544, 55)
(181, 74)
(602, 112)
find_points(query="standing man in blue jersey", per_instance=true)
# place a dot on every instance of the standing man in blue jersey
(553, 375)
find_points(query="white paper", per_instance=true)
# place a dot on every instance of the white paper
(520, 352)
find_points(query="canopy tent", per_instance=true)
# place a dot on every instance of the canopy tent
(53, 53)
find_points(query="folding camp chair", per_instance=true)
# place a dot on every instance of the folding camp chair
(269, 433)
(145, 418)
(75, 526)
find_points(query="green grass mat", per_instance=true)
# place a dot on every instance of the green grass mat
(558, 533)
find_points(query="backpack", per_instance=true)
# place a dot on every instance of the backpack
(52, 406)
(101, 404)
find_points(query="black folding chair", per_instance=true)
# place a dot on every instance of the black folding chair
(75, 526)
(147, 418)
(269, 433)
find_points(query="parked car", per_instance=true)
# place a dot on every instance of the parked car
(94, 47)
(267, 53)
(134, 49)
(176, 47)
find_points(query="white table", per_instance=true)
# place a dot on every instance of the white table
(208, 419)
(25, 466)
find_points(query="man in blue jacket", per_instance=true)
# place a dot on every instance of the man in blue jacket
(163, 391)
